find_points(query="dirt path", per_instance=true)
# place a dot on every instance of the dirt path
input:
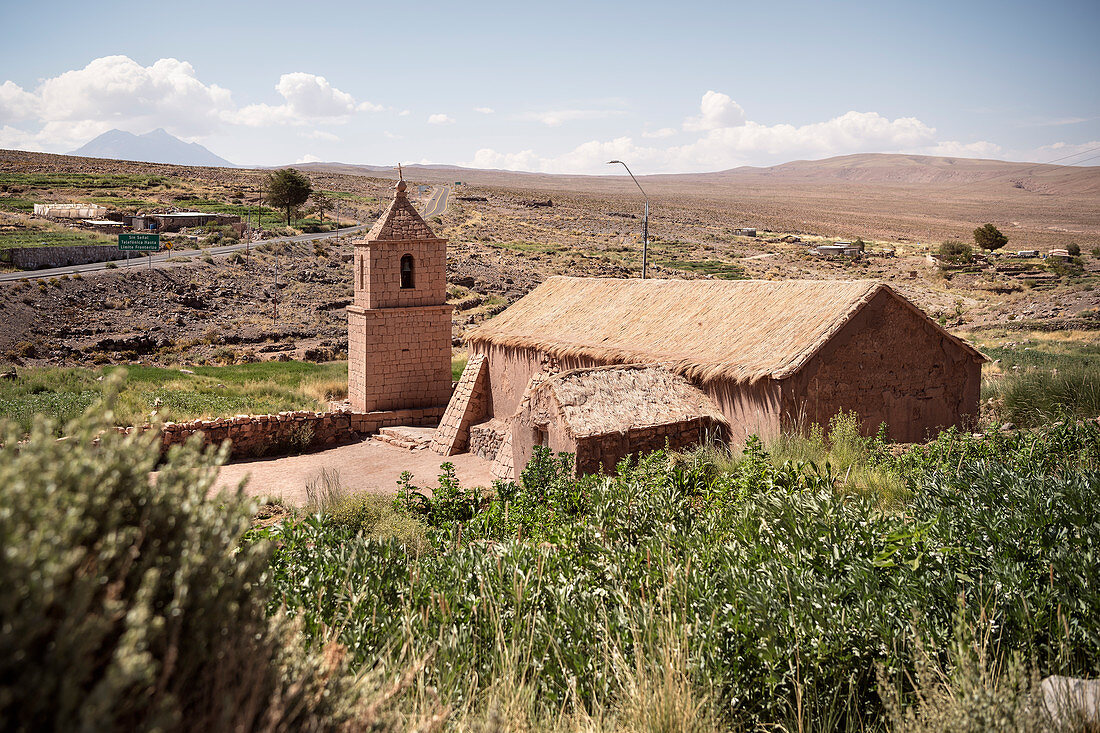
(371, 467)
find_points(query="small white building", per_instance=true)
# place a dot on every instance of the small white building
(70, 211)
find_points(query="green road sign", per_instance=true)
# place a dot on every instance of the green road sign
(135, 242)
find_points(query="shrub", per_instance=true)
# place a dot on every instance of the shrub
(129, 603)
(955, 251)
(1074, 249)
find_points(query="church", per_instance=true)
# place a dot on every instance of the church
(604, 368)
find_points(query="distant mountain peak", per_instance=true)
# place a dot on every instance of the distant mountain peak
(157, 146)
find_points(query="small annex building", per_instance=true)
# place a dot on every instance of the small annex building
(603, 414)
(766, 354)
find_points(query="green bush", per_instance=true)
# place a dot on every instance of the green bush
(955, 251)
(780, 595)
(128, 603)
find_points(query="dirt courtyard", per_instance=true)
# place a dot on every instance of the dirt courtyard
(368, 467)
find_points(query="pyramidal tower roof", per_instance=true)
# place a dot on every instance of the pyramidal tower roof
(400, 222)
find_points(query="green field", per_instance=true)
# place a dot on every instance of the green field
(51, 238)
(259, 388)
(1037, 378)
(82, 180)
(211, 391)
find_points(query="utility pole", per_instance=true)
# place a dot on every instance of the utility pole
(275, 297)
(645, 221)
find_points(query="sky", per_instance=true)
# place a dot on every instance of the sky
(561, 86)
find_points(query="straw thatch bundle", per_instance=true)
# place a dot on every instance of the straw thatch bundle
(615, 399)
(741, 330)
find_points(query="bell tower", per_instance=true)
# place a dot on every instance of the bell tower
(399, 325)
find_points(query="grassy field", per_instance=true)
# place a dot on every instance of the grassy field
(706, 591)
(211, 391)
(83, 180)
(41, 234)
(1040, 377)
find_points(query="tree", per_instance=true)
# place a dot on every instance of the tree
(989, 237)
(287, 188)
(321, 203)
(1074, 249)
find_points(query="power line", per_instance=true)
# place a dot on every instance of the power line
(1029, 170)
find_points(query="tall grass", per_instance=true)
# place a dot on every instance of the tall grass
(1035, 397)
(860, 463)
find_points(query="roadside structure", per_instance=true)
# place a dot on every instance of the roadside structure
(70, 211)
(180, 220)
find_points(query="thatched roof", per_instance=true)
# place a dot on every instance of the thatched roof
(745, 330)
(615, 399)
(400, 222)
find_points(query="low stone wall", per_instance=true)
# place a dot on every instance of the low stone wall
(37, 258)
(260, 435)
(487, 437)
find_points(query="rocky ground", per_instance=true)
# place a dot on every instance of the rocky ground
(503, 242)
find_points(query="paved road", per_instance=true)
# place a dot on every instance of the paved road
(140, 260)
(437, 202)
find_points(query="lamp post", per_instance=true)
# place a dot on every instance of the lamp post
(645, 220)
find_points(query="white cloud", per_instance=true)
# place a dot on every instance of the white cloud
(663, 132)
(727, 139)
(307, 158)
(558, 117)
(306, 98)
(718, 111)
(440, 119)
(1063, 153)
(954, 148)
(115, 91)
(389, 135)
(15, 103)
(404, 113)
(484, 110)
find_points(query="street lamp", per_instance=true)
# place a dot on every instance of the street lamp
(645, 221)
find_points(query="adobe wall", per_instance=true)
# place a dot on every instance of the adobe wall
(890, 366)
(37, 258)
(601, 453)
(750, 409)
(408, 360)
(260, 435)
(510, 370)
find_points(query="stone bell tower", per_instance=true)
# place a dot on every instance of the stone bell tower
(399, 326)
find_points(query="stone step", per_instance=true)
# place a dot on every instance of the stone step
(406, 437)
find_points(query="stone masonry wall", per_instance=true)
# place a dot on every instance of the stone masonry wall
(399, 357)
(469, 404)
(378, 273)
(487, 438)
(258, 435)
(601, 453)
(36, 258)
